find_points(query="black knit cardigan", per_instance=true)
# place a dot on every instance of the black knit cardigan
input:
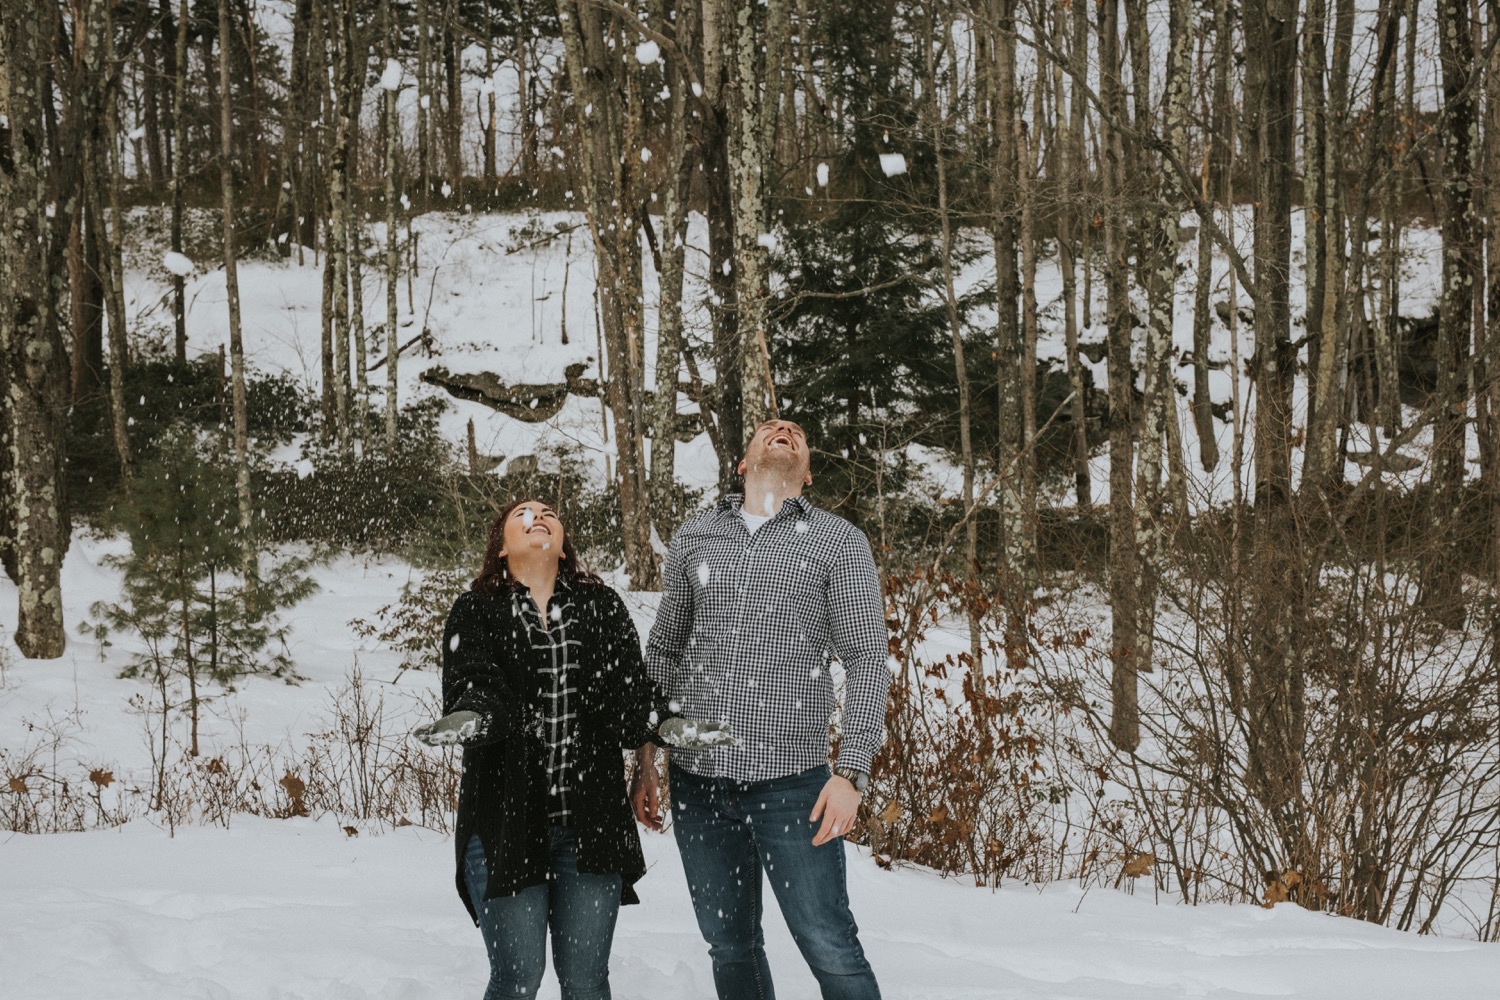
(489, 667)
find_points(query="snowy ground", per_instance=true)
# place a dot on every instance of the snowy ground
(297, 909)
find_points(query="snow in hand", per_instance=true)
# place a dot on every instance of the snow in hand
(177, 263)
(892, 164)
(391, 78)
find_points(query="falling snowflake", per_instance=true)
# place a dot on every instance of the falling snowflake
(647, 52)
(822, 175)
(703, 574)
(892, 164)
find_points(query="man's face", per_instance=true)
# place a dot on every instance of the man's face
(778, 447)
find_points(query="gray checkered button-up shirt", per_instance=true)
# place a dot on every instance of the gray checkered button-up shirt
(747, 629)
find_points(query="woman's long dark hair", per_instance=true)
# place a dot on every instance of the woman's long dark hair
(495, 574)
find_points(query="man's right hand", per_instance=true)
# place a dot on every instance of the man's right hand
(645, 789)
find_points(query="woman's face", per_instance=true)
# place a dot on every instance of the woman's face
(532, 531)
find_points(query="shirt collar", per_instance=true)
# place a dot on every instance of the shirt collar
(735, 501)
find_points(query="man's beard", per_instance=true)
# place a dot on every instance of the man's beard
(778, 463)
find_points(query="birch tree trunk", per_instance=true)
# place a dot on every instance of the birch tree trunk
(392, 254)
(1016, 527)
(1124, 727)
(33, 364)
(356, 50)
(1159, 391)
(232, 289)
(752, 51)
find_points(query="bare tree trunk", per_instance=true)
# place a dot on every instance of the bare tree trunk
(720, 196)
(1492, 317)
(526, 108)
(1441, 586)
(1203, 415)
(101, 183)
(1073, 171)
(453, 117)
(1124, 727)
(1016, 527)
(753, 54)
(1315, 228)
(356, 50)
(1277, 682)
(1159, 390)
(232, 290)
(33, 365)
(938, 126)
(671, 271)
(338, 213)
(608, 124)
(392, 254)
(424, 101)
(179, 170)
(491, 120)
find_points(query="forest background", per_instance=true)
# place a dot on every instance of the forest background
(1151, 343)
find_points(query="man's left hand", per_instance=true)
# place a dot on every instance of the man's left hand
(836, 806)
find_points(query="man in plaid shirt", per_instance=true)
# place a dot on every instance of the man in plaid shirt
(761, 596)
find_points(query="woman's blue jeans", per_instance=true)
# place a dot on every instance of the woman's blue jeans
(734, 836)
(579, 909)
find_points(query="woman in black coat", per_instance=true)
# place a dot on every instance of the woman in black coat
(544, 686)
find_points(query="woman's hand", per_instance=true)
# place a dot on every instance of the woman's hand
(645, 789)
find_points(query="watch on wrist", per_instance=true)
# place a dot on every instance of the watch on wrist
(859, 779)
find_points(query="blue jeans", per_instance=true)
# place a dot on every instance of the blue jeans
(580, 909)
(729, 833)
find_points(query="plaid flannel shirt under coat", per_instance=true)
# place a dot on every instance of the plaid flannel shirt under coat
(748, 626)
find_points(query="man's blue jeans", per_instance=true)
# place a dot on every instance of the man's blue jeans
(731, 833)
(580, 910)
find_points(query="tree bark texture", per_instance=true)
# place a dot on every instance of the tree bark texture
(33, 364)
(609, 128)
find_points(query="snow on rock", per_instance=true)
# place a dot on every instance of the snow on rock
(892, 164)
(647, 53)
(391, 78)
(177, 263)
